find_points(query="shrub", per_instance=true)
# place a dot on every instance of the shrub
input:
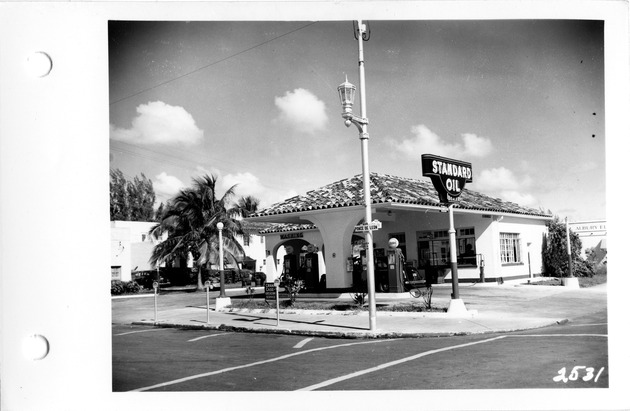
(117, 287)
(131, 287)
(246, 274)
(293, 286)
(260, 277)
(124, 287)
(358, 298)
(554, 252)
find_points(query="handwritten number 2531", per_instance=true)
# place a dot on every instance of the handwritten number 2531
(575, 374)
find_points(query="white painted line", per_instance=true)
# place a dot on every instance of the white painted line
(282, 357)
(206, 336)
(391, 364)
(141, 331)
(302, 343)
(557, 335)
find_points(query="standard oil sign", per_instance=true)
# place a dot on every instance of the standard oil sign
(448, 176)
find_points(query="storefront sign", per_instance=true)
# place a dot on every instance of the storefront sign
(291, 235)
(448, 176)
(588, 227)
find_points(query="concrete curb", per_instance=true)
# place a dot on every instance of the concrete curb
(336, 334)
(422, 314)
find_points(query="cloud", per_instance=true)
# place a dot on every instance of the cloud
(426, 141)
(503, 183)
(247, 184)
(159, 123)
(167, 185)
(476, 146)
(302, 110)
(250, 185)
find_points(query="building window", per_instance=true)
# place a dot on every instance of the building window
(510, 248)
(116, 272)
(466, 250)
(434, 247)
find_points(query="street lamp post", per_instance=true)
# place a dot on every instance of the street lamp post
(571, 281)
(346, 94)
(566, 223)
(221, 273)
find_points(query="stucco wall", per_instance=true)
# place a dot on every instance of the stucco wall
(411, 223)
(121, 252)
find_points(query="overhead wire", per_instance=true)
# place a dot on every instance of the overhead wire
(210, 64)
(165, 155)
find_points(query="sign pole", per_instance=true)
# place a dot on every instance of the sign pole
(155, 290)
(566, 222)
(453, 247)
(277, 287)
(208, 301)
(449, 177)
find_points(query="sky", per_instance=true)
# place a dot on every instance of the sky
(256, 104)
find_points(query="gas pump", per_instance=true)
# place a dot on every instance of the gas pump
(482, 264)
(290, 263)
(395, 266)
(311, 267)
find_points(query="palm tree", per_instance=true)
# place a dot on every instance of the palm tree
(248, 205)
(191, 218)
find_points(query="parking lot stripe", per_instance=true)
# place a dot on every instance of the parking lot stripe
(141, 331)
(392, 363)
(424, 354)
(302, 343)
(557, 335)
(206, 336)
(282, 357)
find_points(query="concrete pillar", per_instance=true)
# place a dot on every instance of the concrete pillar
(336, 228)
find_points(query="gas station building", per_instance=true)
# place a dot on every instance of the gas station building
(496, 240)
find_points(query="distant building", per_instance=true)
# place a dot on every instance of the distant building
(592, 233)
(132, 246)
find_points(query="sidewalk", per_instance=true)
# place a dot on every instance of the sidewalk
(490, 308)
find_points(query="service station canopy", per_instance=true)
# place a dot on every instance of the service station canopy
(448, 176)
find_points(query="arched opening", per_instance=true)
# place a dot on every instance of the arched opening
(301, 260)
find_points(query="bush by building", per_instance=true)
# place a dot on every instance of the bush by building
(125, 287)
(555, 255)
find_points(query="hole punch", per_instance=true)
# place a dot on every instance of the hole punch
(35, 347)
(39, 64)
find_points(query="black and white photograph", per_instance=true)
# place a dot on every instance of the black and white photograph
(232, 169)
(399, 208)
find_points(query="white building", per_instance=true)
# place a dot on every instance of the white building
(592, 233)
(506, 239)
(132, 245)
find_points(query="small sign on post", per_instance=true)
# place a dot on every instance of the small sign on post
(208, 286)
(155, 292)
(365, 227)
(270, 291)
